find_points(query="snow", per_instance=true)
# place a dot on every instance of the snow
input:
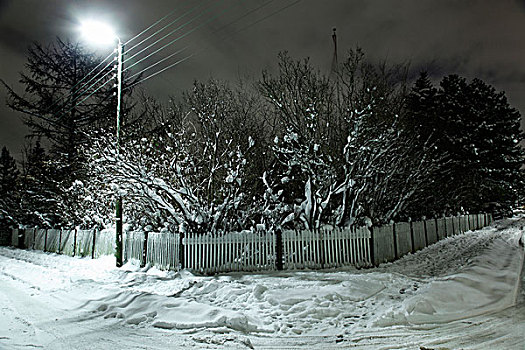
(465, 292)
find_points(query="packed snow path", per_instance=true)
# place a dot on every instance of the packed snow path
(464, 292)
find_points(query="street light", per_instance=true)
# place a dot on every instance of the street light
(101, 33)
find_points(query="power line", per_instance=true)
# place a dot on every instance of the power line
(268, 16)
(160, 71)
(86, 89)
(164, 37)
(204, 48)
(175, 40)
(191, 55)
(182, 60)
(161, 29)
(158, 62)
(245, 15)
(151, 26)
(79, 95)
(80, 81)
(78, 103)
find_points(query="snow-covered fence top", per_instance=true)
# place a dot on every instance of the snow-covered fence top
(390, 242)
(255, 251)
(237, 251)
(326, 248)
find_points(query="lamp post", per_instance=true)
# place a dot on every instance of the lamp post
(101, 33)
(118, 203)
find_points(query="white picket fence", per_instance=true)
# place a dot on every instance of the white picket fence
(72, 242)
(163, 250)
(237, 251)
(259, 250)
(251, 251)
(326, 248)
(132, 246)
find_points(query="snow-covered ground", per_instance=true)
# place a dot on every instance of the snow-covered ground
(463, 292)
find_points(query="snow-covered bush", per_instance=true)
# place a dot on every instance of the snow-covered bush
(191, 170)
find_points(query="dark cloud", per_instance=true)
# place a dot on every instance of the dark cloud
(14, 39)
(471, 38)
(3, 5)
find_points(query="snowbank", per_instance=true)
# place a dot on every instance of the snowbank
(460, 292)
(489, 282)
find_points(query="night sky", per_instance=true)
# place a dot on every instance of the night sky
(484, 39)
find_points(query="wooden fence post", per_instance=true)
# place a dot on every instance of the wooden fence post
(144, 249)
(322, 248)
(394, 234)
(181, 250)
(45, 241)
(93, 246)
(426, 232)
(75, 242)
(412, 237)
(21, 238)
(60, 241)
(279, 250)
(372, 247)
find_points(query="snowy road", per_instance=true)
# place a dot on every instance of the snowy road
(464, 292)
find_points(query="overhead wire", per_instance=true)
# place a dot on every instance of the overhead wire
(267, 16)
(84, 85)
(193, 54)
(78, 93)
(174, 41)
(94, 91)
(148, 28)
(163, 28)
(206, 47)
(157, 63)
(80, 81)
(183, 49)
(165, 36)
(86, 90)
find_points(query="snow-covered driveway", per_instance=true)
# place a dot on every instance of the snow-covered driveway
(463, 292)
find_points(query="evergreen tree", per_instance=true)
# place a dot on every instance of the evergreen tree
(474, 129)
(9, 198)
(38, 189)
(421, 120)
(420, 117)
(496, 153)
(65, 105)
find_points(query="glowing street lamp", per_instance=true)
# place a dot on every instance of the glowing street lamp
(98, 32)
(101, 33)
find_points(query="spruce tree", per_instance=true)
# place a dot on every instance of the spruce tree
(496, 134)
(420, 117)
(38, 189)
(477, 133)
(9, 197)
(68, 96)
(474, 130)
(421, 120)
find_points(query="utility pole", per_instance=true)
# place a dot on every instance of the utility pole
(334, 57)
(118, 204)
(334, 70)
(99, 32)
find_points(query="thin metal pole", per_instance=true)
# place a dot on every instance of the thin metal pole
(118, 204)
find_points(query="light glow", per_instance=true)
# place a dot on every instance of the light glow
(98, 32)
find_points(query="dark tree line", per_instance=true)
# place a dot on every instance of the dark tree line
(295, 149)
(477, 132)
